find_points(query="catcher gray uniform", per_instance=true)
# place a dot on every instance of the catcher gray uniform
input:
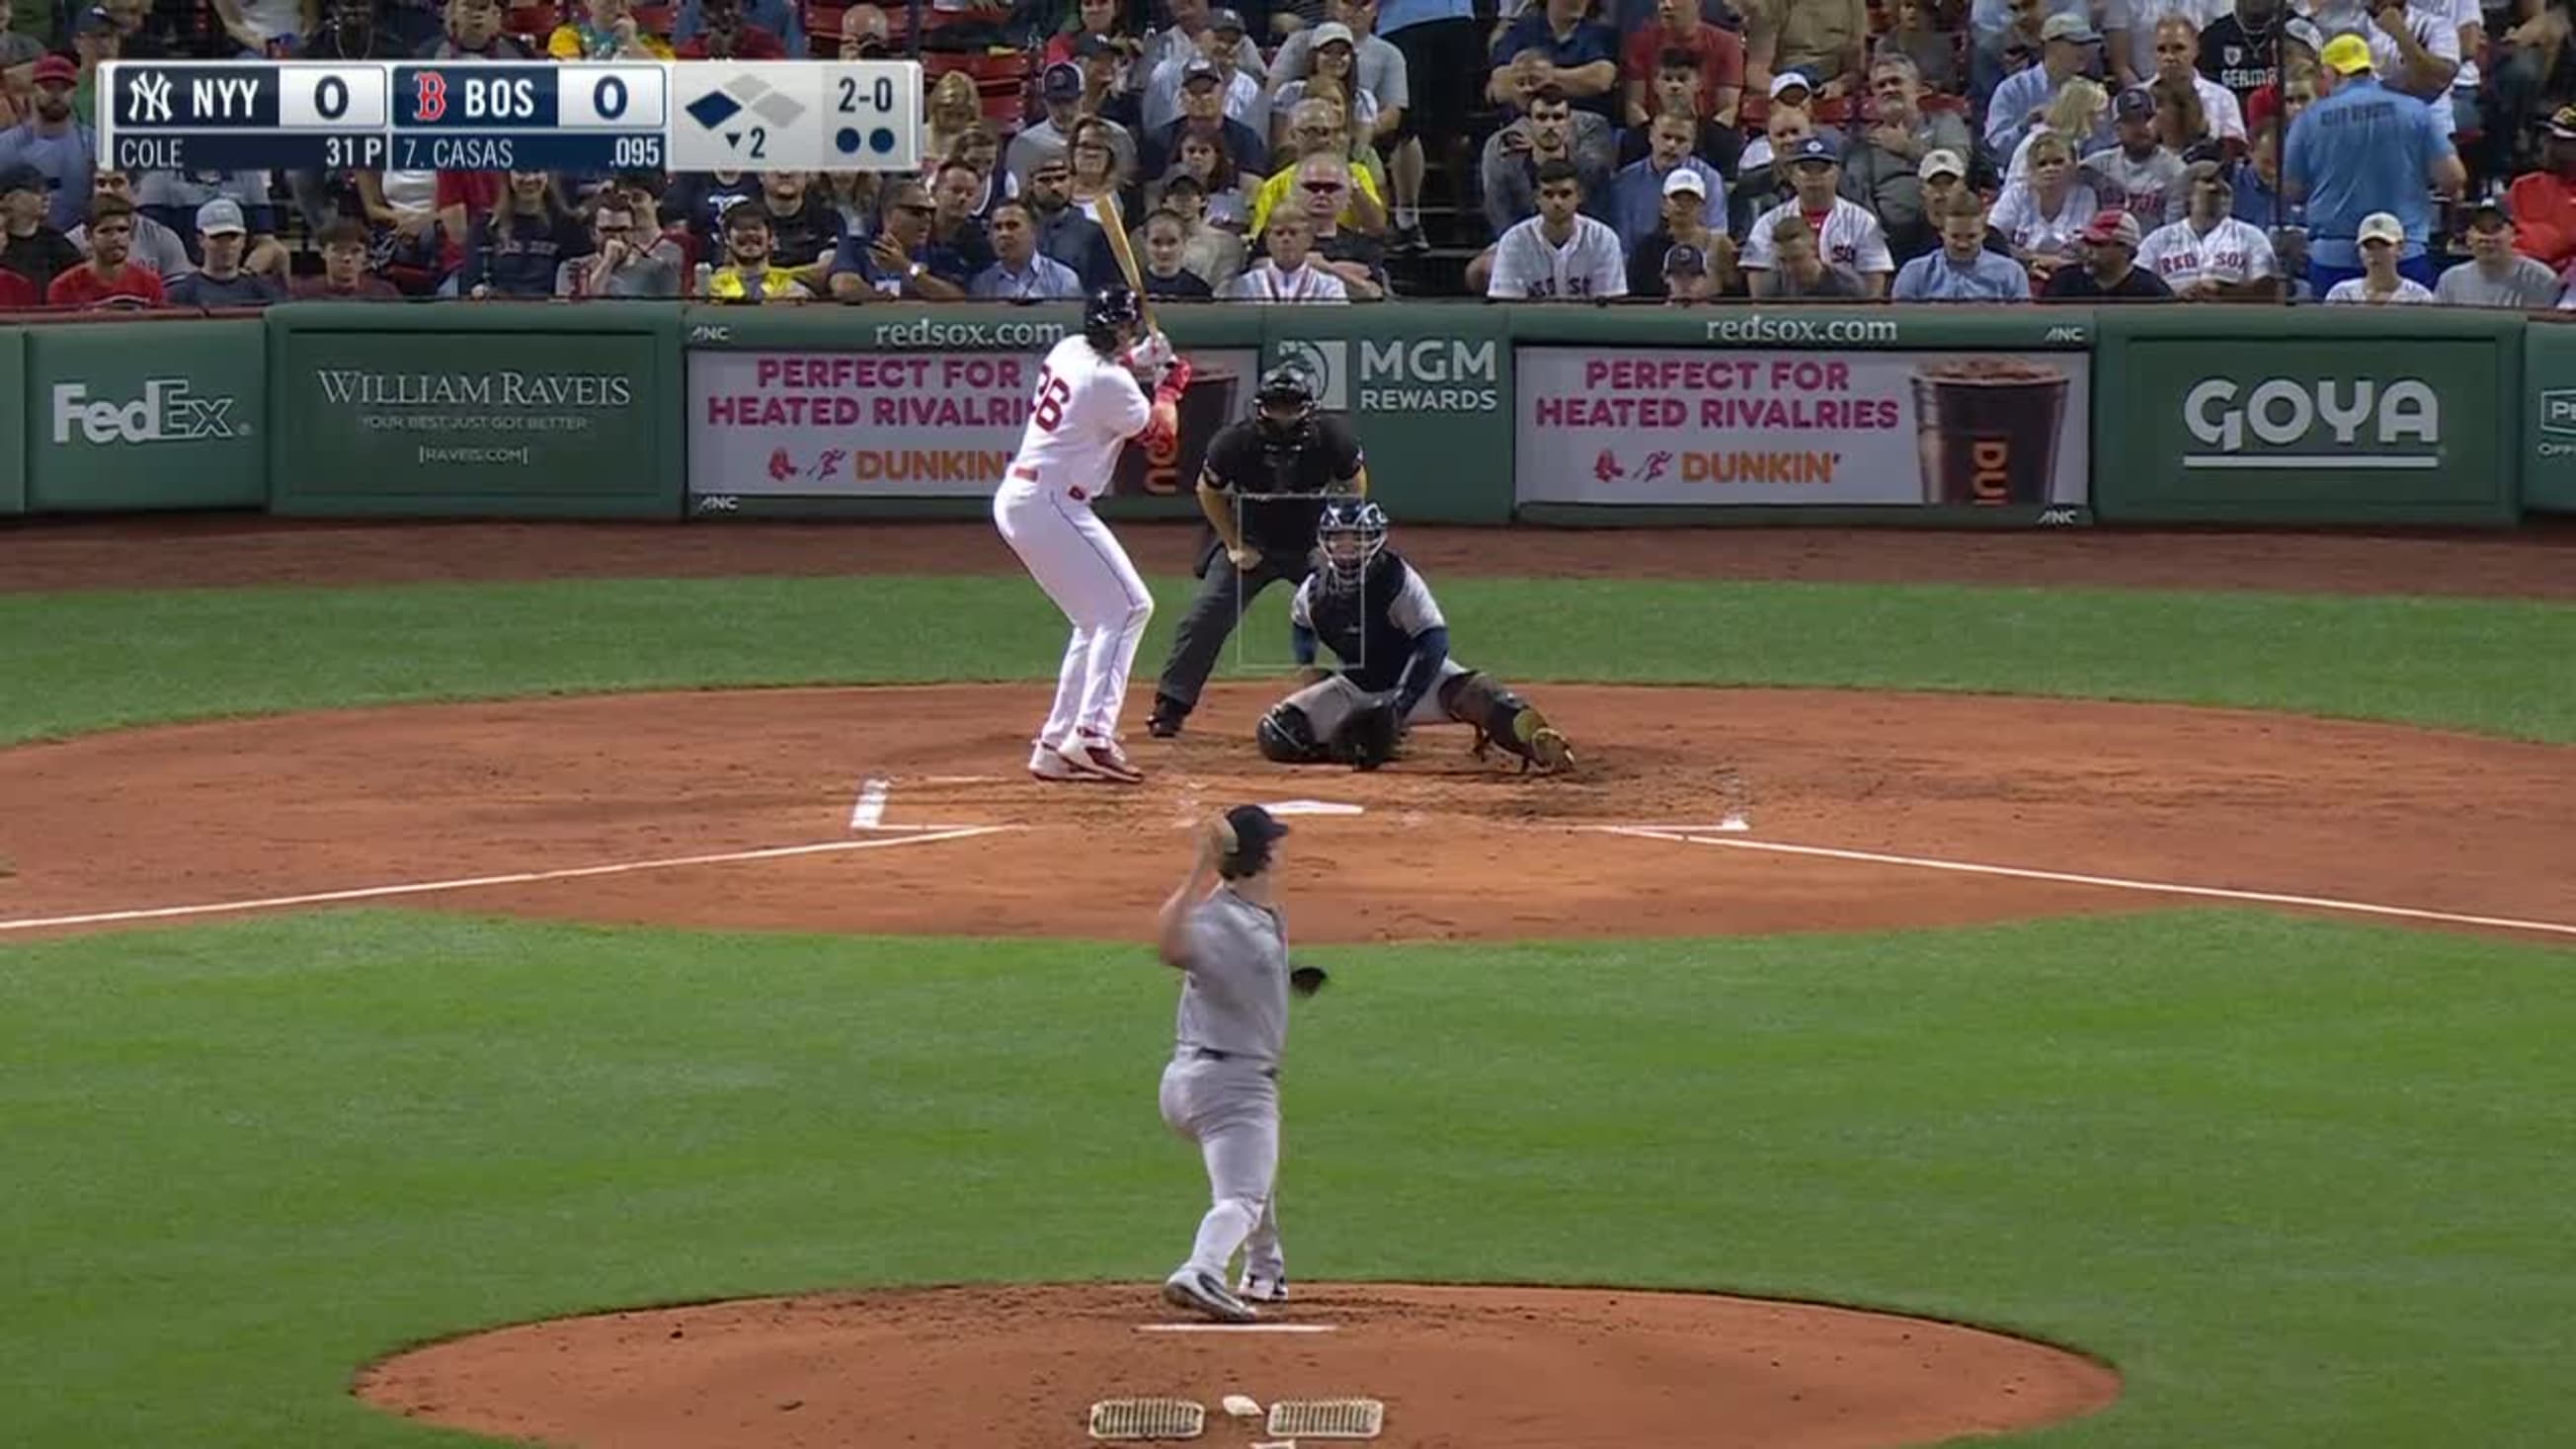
(1221, 1089)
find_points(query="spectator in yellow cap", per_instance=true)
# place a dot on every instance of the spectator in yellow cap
(2364, 151)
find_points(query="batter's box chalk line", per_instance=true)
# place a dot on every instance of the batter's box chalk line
(1689, 835)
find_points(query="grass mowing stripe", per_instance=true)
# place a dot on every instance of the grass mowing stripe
(86, 661)
(2303, 1181)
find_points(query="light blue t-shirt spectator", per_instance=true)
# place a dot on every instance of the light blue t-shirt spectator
(2008, 114)
(2365, 148)
(65, 159)
(1933, 277)
(1637, 198)
(1395, 15)
(1044, 280)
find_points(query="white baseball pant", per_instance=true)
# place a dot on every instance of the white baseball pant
(1231, 1110)
(1077, 560)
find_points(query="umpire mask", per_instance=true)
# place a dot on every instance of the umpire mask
(1284, 408)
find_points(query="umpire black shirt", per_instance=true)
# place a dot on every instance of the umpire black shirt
(1240, 462)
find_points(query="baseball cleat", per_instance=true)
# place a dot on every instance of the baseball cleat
(1546, 746)
(1099, 757)
(1262, 1288)
(1163, 727)
(1202, 1293)
(1046, 764)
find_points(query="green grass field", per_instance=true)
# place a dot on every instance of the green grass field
(2302, 1181)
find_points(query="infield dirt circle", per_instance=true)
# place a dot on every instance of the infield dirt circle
(906, 810)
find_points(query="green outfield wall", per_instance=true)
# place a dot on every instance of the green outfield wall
(468, 409)
(1470, 413)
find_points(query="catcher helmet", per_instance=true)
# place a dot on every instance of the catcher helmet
(1284, 406)
(1107, 314)
(1349, 537)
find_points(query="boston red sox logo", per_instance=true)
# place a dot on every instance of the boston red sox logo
(429, 96)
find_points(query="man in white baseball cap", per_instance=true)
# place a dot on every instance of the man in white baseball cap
(2066, 47)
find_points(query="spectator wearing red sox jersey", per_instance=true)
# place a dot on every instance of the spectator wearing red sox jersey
(2140, 175)
(1846, 233)
(1559, 254)
(2210, 256)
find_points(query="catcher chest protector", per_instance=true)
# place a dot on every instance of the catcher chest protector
(1354, 623)
(1475, 699)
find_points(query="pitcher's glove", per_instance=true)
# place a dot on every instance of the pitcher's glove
(1307, 980)
(1370, 736)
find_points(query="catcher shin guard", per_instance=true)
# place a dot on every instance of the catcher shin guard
(1501, 717)
(1287, 736)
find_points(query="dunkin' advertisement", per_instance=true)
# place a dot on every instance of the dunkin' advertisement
(1689, 426)
(909, 424)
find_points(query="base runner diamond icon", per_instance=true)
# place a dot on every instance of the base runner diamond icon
(744, 118)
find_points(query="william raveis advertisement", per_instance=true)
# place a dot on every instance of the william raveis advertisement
(1688, 426)
(907, 424)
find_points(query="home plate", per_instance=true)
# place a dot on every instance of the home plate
(1314, 807)
(1238, 1328)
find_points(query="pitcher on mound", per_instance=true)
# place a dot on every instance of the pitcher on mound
(1089, 402)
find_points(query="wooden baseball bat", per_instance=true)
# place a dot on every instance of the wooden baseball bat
(1125, 252)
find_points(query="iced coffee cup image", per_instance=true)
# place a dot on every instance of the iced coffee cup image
(1987, 429)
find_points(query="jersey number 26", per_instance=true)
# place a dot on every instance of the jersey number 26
(1053, 394)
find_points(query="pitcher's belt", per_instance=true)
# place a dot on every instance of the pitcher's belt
(1209, 1054)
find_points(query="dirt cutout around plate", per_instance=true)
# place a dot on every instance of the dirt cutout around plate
(1019, 1368)
(1438, 846)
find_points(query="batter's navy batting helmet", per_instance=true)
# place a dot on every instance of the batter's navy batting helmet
(1108, 310)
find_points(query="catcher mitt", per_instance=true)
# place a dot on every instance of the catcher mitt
(1370, 736)
(1307, 980)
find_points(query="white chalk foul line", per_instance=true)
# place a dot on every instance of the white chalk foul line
(427, 887)
(870, 811)
(2108, 882)
(1238, 1328)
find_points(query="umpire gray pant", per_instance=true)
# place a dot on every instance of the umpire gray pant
(1224, 593)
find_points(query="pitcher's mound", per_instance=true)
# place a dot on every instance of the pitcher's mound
(1493, 1368)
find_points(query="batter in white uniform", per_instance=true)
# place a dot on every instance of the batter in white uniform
(1221, 1089)
(1087, 405)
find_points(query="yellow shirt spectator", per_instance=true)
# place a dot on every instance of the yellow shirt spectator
(726, 284)
(1274, 190)
(587, 41)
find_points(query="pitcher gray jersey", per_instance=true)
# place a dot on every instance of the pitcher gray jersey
(1234, 996)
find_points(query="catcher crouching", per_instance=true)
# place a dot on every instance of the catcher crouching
(1372, 609)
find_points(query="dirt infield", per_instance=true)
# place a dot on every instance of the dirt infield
(579, 793)
(2537, 561)
(1019, 1368)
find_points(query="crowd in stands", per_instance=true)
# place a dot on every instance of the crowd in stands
(1345, 151)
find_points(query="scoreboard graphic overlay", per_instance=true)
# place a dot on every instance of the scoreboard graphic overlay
(697, 115)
